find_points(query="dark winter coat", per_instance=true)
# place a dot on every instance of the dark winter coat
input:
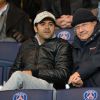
(18, 21)
(87, 59)
(51, 61)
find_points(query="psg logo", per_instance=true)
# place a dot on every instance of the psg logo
(90, 95)
(64, 35)
(20, 96)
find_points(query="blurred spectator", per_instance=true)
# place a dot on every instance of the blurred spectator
(61, 9)
(57, 7)
(16, 2)
(31, 7)
(93, 6)
(87, 3)
(98, 11)
(64, 21)
(14, 23)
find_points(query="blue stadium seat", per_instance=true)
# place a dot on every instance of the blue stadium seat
(8, 53)
(1, 75)
(27, 95)
(5, 74)
(78, 94)
(67, 34)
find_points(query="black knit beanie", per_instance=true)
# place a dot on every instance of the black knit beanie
(83, 15)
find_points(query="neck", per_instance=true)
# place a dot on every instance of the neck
(40, 40)
(2, 4)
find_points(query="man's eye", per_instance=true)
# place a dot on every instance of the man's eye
(51, 24)
(42, 23)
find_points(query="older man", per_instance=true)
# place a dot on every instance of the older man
(86, 52)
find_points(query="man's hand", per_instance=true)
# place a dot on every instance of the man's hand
(18, 36)
(75, 80)
(64, 21)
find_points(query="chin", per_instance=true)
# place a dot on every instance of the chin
(48, 37)
(82, 39)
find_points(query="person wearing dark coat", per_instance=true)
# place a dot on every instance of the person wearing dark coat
(15, 24)
(60, 8)
(86, 50)
(43, 62)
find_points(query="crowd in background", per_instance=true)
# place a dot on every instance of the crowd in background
(62, 10)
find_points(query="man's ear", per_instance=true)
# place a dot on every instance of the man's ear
(35, 29)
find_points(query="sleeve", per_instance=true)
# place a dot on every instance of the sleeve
(27, 57)
(19, 62)
(90, 66)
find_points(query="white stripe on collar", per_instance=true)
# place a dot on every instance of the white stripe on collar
(38, 39)
(3, 9)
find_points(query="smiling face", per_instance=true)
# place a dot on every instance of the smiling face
(85, 30)
(45, 29)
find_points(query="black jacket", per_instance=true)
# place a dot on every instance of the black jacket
(87, 59)
(18, 21)
(51, 61)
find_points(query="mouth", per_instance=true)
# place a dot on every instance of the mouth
(47, 32)
(82, 33)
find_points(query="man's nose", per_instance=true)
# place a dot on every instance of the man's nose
(80, 29)
(46, 26)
